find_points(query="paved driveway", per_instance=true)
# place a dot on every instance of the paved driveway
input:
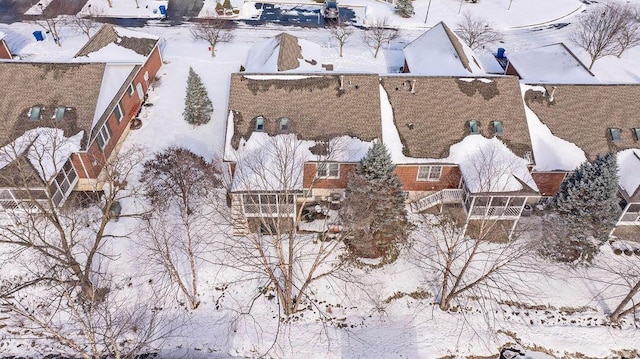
(180, 10)
(12, 10)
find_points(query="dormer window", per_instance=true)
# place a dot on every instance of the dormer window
(615, 134)
(498, 130)
(284, 124)
(474, 128)
(34, 113)
(636, 133)
(260, 123)
(59, 114)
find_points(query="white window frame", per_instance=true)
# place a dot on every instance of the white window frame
(103, 137)
(329, 167)
(60, 110)
(130, 90)
(427, 173)
(39, 110)
(69, 178)
(118, 110)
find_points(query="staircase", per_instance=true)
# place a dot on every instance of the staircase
(238, 219)
(445, 196)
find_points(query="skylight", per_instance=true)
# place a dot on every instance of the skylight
(34, 113)
(636, 132)
(59, 115)
(497, 128)
(284, 124)
(474, 128)
(615, 134)
(259, 123)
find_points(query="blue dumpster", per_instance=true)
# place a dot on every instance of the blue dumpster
(163, 9)
(500, 53)
(38, 35)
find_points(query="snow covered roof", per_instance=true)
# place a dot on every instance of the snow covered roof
(46, 150)
(115, 78)
(318, 108)
(74, 86)
(121, 45)
(433, 113)
(284, 52)
(629, 172)
(582, 116)
(2, 35)
(440, 52)
(550, 64)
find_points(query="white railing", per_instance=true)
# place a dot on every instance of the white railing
(493, 212)
(441, 197)
(630, 217)
(269, 210)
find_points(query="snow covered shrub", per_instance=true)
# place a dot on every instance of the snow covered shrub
(584, 211)
(374, 209)
(197, 106)
(404, 8)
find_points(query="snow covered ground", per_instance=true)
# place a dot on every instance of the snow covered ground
(561, 311)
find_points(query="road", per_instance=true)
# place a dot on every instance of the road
(11, 10)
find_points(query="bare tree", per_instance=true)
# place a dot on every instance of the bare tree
(287, 262)
(181, 187)
(65, 291)
(52, 23)
(474, 250)
(476, 32)
(607, 30)
(379, 33)
(213, 31)
(85, 20)
(341, 33)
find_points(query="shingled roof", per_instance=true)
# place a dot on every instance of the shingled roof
(433, 113)
(140, 43)
(318, 107)
(440, 52)
(583, 115)
(75, 86)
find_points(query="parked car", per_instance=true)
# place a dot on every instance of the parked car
(331, 10)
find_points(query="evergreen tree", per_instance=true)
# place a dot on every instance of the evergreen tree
(197, 106)
(404, 8)
(374, 209)
(226, 4)
(586, 209)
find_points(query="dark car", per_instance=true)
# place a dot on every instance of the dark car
(331, 10)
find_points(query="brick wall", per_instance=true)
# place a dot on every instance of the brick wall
(4, 50)
(94, 158)
(327, 183)
(450, 178)
(548, 182)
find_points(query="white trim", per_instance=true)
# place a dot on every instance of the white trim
(429, 172)
(328, 166)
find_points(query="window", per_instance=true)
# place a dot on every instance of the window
(328, 170)
(103, 136)
(429, 173)
(130, 90)
(59, 114)
(118, 112)
(284, 124)
(497, 128)
(63, 183)
(259, 123)
(636, 133)
(474, 128)
(34, 113)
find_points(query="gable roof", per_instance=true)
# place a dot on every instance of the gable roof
(583, 114)
(284, 52)
(435, 114)
(75, 86)
(552, 63)
(317, 106)
(138, 42)
(440, 52)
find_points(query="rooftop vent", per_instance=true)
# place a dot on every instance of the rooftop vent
(636, 133)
